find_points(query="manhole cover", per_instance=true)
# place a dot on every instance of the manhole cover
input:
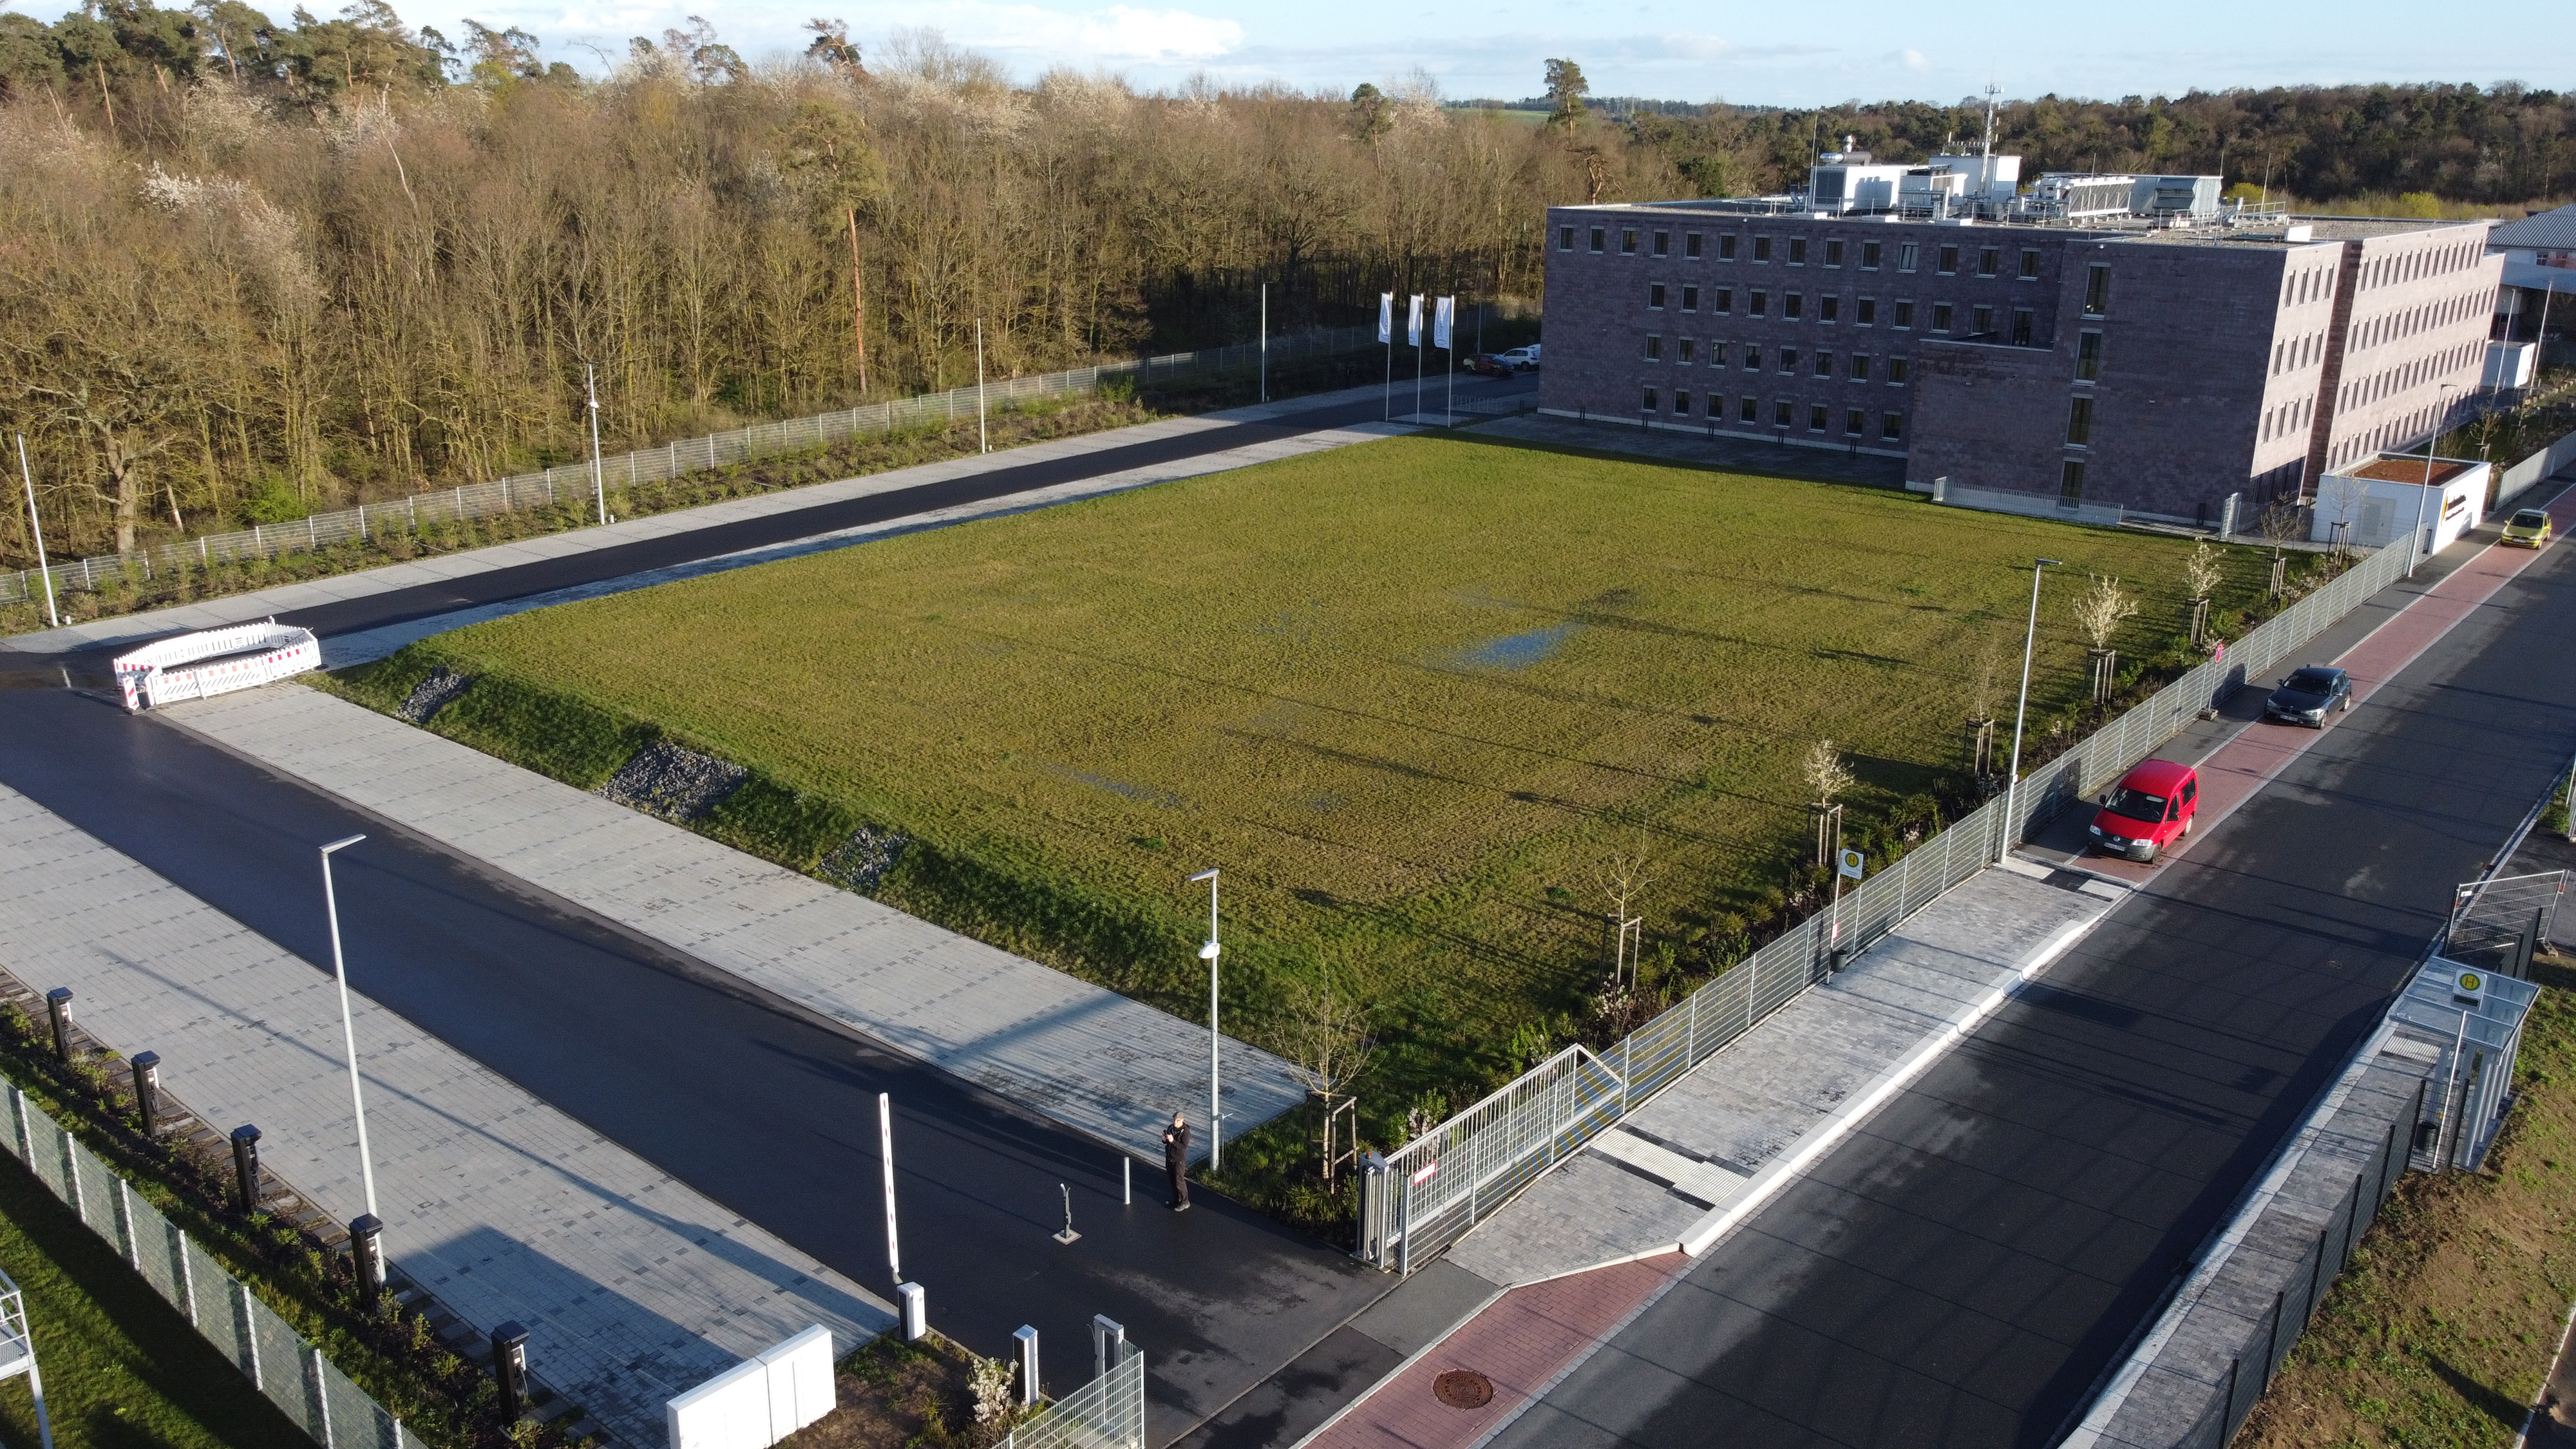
(1463, 1389)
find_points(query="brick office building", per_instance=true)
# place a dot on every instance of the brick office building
(2192, 372)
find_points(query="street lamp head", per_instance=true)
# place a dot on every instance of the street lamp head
(1208, 874)
(338, 845)
(2051, 563)
(1209, 951)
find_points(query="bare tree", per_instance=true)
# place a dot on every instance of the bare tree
(1826, 773)
(1624, 879)
(2202, 570)
(2104, 607)
(1325, 1037)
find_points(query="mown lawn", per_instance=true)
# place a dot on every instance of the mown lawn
(1411, 696)
(122, 1369)
(2440, 1330)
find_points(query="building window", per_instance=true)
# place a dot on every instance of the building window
(2079, 422)
(1726, 246)
(1690, 245)
(2088, 356)
(1891, 425)
(1565, 238)
(1833, 251)
(1751, 411)
(2097, 290)
(1663, 243)
(1940, 316)
(1904, 312)
(1717, 354)
(1681, 404)
(1819, 417)
(1650, 399)
(1981, 321)
(1756, 302)
(1690, 299)
(2029, 264)
(1784, 413)
(1724, 299)
(1752, 358)
(1762, 249)
(1897, 368)
(1824, 364)
(1855, 422)
(1828, 308)
(1797, 251)
(1598, 234)
(2022, 320)
(1860, 367)
(1627, 241)
(1792, 305)
(1788, 359)
(2070, 483)
(1864, 311)
(1682, 351)
(1654, 348)
(1869, 255)
(1990, 260)
(1949, 260)
(1905, 256)
(1655, 295)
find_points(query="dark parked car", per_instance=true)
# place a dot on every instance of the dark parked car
(1488, 364)
(2309, 695)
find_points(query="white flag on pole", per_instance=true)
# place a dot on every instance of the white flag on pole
(1413, 322)
(1441, 316)
(1386, 316)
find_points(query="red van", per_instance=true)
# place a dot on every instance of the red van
(2151, 808)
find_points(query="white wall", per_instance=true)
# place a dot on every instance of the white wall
(760, 1401)
(2377, 512)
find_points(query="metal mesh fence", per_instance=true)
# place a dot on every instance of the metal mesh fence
(294, 1375)
(576, 483)
(1431, 1191)
(2271, 1337)
(1106, 1413)
(2489, 930)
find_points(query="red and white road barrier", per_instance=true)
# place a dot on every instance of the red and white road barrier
(215, 661)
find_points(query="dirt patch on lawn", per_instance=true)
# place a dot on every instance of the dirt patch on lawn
(897, 1395)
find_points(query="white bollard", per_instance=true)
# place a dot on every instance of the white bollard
(1028, 1341)
(915, 1301)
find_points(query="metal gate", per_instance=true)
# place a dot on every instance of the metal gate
(2495, 918)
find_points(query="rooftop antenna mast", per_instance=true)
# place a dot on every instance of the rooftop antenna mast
(1992, 91)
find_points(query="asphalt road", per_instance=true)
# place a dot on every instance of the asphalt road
(1962, 1271)
(753, 1102)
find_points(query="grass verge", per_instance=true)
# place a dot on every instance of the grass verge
(2440, 1331)
(122, 1369)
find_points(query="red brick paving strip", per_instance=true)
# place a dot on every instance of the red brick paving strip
(1522, 1343)
(2241, 766)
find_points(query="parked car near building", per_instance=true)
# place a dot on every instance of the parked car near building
(1521, 359)
(2308, 695)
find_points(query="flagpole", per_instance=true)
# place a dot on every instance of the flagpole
(1386, 334)
(1450, 356)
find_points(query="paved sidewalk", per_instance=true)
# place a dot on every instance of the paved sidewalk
(288, 598)
(633, 1286)
(1084, 1056)
(1523, 1344)
(1710, 1148)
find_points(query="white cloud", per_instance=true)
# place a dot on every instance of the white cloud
(1913, 60)
(1117, 35)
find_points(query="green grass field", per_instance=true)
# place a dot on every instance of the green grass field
(1411, 696)
(122, 1369)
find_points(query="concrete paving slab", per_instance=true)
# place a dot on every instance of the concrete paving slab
(1748, 1108)
(1089, 1058)
(633, 1286)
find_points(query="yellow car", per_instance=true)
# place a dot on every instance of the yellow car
(2529, 528)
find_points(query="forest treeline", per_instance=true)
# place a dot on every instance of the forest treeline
(2500, 144)
(250, 269)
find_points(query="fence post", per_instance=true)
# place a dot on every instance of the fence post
(321, 1388)
(249, 1333)
(187, 1277)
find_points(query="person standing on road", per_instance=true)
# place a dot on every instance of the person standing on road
(1176, 1160)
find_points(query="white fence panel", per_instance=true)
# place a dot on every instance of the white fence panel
(759, 1401)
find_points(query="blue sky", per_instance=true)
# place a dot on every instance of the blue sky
(1780, 55)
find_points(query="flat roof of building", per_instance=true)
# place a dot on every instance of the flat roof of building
(2250, 230)
(2399, 469)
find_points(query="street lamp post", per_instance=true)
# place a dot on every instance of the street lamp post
(598, 473)
(2415, 549)
(348, 1028)
(1209, 953)
(2021, 707)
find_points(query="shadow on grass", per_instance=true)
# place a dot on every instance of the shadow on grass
(2507, 1414)
(121, 1367)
